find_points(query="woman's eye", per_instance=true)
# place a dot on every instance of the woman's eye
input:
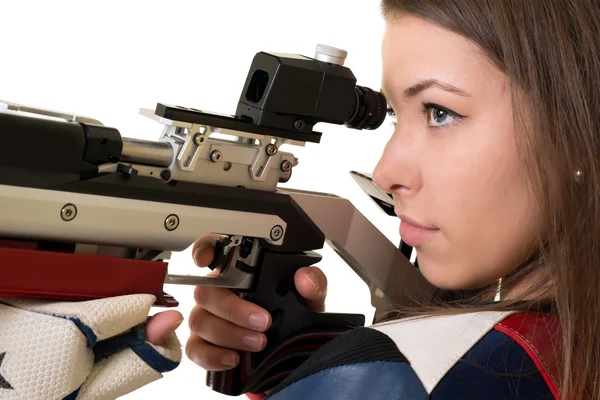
(438, 116)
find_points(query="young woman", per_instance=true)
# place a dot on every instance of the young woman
(494, 167)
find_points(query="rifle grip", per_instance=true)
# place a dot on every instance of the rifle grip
(295, 333)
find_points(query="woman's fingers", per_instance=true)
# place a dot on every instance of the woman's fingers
(311, 284)
(225, 304)
(223, 333)
(209, 356)
(203, 249)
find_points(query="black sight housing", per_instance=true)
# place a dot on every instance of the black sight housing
(293, 92)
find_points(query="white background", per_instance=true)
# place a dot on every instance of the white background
(108, 59)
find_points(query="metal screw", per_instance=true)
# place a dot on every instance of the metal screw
(215, 155)
(199, 138)
(276, 232)
(286, 165)
(172, 222)
(68, 212)
(271, 149)
(165, 174)
(299, 124)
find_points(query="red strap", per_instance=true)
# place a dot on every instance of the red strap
(539, 335)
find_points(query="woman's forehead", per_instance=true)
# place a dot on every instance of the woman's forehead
(416, 50)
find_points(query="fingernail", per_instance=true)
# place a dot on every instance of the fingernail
(228, 360)
(174, 325)
(252, 340)
(258, 321)
(314, 280)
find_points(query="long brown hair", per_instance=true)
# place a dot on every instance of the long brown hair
(550, 50)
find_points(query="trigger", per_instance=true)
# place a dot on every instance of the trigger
(220, 258)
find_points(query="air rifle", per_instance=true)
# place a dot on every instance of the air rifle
(86, 213)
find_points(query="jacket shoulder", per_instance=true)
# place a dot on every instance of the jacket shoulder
(360, 364)
(459, 356)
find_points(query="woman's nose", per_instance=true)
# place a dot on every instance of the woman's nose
(397, 171)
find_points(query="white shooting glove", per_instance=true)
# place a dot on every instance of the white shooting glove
(82, 350)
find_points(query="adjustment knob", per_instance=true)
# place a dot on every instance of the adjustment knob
(330, 54)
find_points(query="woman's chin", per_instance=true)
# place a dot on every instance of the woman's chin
(445, 277)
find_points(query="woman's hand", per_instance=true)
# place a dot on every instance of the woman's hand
(221, 322)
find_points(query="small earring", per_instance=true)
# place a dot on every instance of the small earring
(578, 175)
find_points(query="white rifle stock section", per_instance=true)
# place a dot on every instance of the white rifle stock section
(41, 214)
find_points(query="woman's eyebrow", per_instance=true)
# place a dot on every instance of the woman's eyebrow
(428, 83)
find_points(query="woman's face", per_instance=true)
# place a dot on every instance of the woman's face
(452, 164)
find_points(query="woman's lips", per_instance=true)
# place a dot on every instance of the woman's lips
(414, 234)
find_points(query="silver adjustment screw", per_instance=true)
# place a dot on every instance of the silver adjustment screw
(286, 165)
(215, 156)
(276, 232)
(68, 212)
(271, 149)
(199, 138)
(172, 222)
